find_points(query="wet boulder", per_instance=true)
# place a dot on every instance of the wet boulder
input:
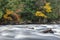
(48, 31)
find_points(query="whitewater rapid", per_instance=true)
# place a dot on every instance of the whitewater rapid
(29, 32)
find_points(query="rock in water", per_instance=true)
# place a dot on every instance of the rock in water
(48, 31)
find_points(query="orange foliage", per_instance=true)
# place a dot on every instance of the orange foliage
(9, 12)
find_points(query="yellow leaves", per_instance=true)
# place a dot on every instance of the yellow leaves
(41, 14)
(48, 11)
(38, 13)
(8, 12)
(47, 3)
(48, 7)
(6, 17)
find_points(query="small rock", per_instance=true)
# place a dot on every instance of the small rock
(48, 31)
(31, 28)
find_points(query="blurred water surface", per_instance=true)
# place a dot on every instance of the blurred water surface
(29, 32)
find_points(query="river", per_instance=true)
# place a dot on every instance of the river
(29, 32)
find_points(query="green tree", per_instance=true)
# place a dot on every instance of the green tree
(9, 4)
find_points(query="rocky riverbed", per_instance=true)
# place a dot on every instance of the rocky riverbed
(29, 32)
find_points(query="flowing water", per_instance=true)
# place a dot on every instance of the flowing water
(29, 32)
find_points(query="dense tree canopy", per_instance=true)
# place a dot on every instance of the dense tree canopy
(30, 10)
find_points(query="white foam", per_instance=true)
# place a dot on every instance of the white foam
(15, 28)
(5, 34)
(57, 30)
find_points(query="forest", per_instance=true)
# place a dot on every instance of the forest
(15, 12)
